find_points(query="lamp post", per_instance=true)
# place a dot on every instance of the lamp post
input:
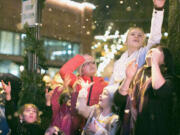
(31, 15)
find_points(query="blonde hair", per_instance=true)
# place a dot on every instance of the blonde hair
(22, 109)
(129, 31)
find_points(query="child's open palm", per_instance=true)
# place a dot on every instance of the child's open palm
(159, 3)
(7, 88)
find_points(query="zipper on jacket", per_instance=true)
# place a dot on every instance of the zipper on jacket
(89, 97)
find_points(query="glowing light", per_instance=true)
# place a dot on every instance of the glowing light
(50, 9)
(128, 9)
(69, 52)
(165, 34)
(119, 47)
(88, 32)
(69, 46)
(121, 2)
(21, 68)
(43, 71)
(148, 35)
(111, 49)
(107, 6)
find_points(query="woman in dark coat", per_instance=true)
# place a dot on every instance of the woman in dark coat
(25, 121)
(146, 99)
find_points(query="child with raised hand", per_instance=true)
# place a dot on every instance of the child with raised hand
(87, 71)
(26, 121)
(101, 119)
(135, 41)
(65, 116)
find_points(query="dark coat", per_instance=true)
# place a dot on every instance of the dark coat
(150, 111)
(17, 127)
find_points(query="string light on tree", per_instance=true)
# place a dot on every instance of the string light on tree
(111, 45)
(121, 2)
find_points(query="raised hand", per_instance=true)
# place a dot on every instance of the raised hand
(85, 84)
(7, 89)
(48, 96)
(131, 69)
(84, 87)
(156, 56)
(159, 3)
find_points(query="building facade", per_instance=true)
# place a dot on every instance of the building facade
(66, 30)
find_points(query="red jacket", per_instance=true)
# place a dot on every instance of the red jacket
(95, 90)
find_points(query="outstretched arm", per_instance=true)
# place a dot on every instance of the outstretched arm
(162, 85)
(9, 107)
(155, 31)
(81, 104)
(157, 78)
(48, 96)
(69, 67)
(55, 101)
(156, 23)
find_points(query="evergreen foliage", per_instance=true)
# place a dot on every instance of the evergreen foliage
(33, 87)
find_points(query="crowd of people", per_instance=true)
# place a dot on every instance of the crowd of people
(136, 101)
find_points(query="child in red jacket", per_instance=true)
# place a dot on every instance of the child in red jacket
(87, 70)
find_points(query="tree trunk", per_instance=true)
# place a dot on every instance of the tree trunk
(174, 32)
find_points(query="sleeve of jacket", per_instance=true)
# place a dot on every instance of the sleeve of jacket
(120, 101)
(156, 25)
(69, 67)
(11, 114)
(166, 90)
(155, 35)
(82, 107)
(55, 102)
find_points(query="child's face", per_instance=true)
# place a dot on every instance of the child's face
(30, 114)
(104, 99)
(135, 38)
